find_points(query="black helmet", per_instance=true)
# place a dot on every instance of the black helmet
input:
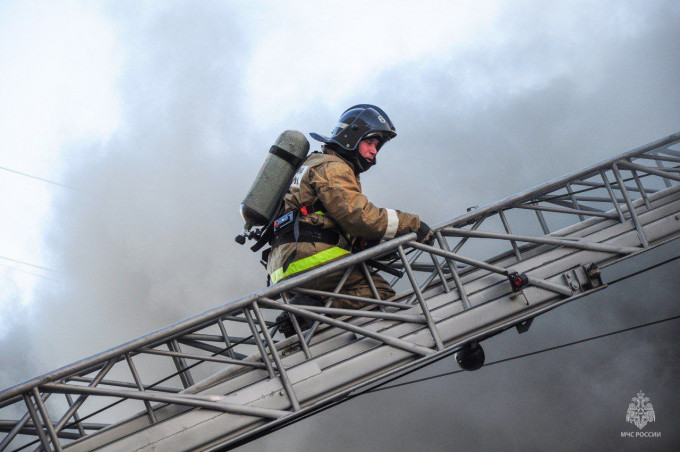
(355, 124)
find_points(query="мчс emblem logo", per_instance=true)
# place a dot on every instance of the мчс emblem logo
(640, 411)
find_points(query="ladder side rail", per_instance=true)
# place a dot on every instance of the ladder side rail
(208, 402)
(201, 320)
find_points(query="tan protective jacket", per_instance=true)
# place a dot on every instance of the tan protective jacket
(330, 180)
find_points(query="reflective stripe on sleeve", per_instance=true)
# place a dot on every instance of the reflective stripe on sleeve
(392, 224)
(307, 263)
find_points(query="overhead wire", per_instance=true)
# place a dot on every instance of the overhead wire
(37, 178)
(644, 270)
(16, 261)
(525, 355)
(30, 273)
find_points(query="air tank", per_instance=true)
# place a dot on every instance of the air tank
(274, 178)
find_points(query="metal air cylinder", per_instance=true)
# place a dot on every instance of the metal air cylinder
(274, 178)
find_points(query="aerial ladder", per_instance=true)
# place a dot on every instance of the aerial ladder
(227, 375)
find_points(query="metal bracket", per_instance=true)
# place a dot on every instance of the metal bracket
(583, 277)
(593, 275)
(524, 326)
(572, 280)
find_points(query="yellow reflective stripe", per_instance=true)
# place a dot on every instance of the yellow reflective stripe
(318, 212)
(308, 262)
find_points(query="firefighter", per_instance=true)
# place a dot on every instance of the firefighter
(333, 215)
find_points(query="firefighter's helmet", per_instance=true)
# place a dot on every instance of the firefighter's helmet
(355, 124)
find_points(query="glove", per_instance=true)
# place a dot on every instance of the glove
(286, 324)
(362, 244)
(424, 234)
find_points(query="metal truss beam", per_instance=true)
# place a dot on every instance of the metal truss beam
(452, 296)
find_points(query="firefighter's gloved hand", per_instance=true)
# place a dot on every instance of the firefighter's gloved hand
(286, 324)
(424, 234)
(362, 244)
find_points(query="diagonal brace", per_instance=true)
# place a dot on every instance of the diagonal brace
(388, 340)
(166, 398)
(584, 245)
(646, 169)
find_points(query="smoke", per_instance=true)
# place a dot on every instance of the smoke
(549, 93)
(147, 239)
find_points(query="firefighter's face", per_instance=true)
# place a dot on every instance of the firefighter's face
(368, 148)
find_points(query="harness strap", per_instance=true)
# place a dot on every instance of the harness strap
(287, 156)
(317, 207)
(306, 233)
(283, 223)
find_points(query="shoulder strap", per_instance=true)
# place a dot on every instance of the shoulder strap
(287, 156)
(268, 231)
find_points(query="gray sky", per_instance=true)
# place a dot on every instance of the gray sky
(160, 114)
